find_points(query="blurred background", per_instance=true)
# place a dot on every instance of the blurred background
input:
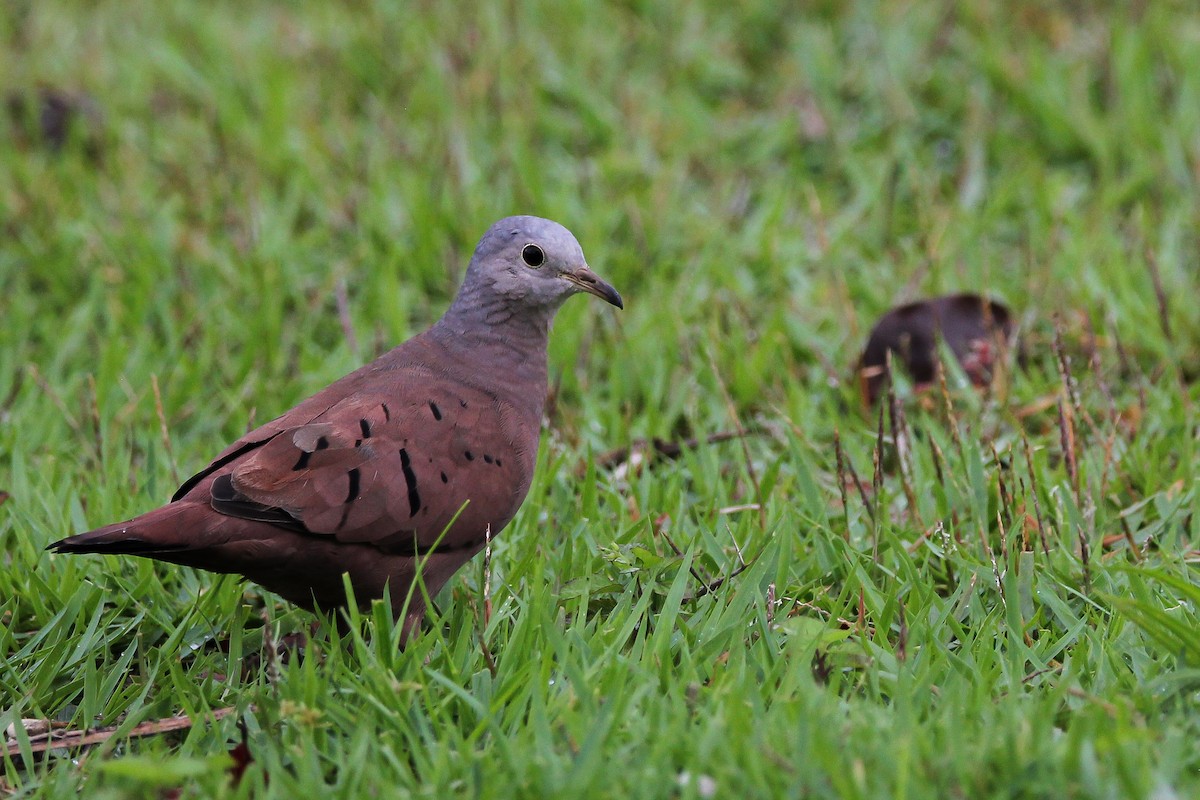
(760, 180)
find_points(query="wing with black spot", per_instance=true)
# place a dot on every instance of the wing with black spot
(390, 471)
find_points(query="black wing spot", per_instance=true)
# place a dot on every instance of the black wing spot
(437, 412)
(322, 444)
(354, 476)
(410, 478)
(366, 428)
(387, 413)
(498, 464)
(469, 456)
(487, 458)
(462, 403)
(444, 478)
(302, 462)
(222, 488)
(224, 499)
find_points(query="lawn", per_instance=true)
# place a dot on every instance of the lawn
(996, 598)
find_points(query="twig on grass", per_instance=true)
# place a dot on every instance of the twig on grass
(90, 737)
(709, 584)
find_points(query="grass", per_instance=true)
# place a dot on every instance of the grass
(760, 180)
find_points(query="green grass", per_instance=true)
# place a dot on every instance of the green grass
(760, 180)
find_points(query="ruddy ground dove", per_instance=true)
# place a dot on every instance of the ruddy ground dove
(406, 462)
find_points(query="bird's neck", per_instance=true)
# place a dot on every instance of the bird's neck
(487, 332)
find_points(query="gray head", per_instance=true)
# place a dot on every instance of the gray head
(528, 264)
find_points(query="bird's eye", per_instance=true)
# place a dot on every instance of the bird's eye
(532, 255)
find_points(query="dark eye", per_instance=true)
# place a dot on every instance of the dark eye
(532, 255)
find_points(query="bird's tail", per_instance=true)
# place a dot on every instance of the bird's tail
(150, 534)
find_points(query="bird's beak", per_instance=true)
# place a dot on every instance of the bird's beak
(591, 283)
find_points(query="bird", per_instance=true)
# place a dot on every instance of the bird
(407, 465)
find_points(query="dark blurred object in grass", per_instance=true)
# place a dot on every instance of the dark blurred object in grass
(644, 452)
(976, 329)
(53, 118)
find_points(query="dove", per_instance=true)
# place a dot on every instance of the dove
(405, 466)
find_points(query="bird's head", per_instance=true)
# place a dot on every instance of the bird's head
(533, 262)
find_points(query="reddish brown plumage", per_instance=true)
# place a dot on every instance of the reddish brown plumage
(411, 459)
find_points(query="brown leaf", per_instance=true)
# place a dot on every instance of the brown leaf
(975, 328)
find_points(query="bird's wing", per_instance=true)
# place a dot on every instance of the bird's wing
(305, 412)
(379, 469)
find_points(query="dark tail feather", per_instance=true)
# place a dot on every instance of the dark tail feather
(85, 543)
(134, 537)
